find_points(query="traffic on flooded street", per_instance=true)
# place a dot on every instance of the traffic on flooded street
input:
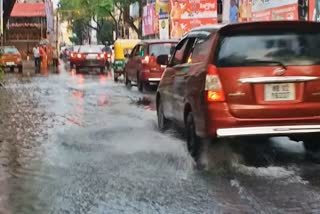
(81, 143)
(169, 107)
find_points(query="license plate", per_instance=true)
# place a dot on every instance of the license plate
(279, 92)
(91, 56)
(10, 63)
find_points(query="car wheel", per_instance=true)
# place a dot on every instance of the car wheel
(163, 122)
(11, 69)
(102, 69)
(194, 143)
(77, 69)
(126, 79)
(139, 83)
(312, 144)
(20, 68)
(312, 147)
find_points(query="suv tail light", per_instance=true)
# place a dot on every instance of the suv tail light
(80, 56)
(72, 55)
(101, 56)
(145, 60)
(213, 86)
(109, 55)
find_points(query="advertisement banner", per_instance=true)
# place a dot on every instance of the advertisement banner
(186, 15)
(149, 20)
(273, 10)
(162, 7)
(245, 10)
(164, 28)
(314, 10)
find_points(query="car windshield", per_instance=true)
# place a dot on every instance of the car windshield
(10, 50)
(269, 49)
(90, 49)
(161, 49)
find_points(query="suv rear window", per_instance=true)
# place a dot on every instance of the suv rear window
(90, 49)
(161, 49)
(264, 49)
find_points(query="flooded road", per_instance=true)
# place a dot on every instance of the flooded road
(84, 144)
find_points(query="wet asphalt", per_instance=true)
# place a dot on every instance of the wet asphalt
(81, 143)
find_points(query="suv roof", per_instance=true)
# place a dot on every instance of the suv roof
(265, 26)
(153, 41)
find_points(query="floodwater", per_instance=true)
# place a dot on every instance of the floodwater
(84, 144)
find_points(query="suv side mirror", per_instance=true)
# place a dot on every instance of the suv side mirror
(163, 59)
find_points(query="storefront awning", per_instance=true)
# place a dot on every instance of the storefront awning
(29, 10)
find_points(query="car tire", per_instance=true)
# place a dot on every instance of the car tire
(312, 144)
(194, 142)
(102, 69)
(140, 84)
(163, 122)
(127, 82)
(20, 68)
(12, 69)
(77, 69)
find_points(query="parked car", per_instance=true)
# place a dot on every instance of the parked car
(142, 66)
(10, 57)
(73, 55)
(251, 79)
(90, 56)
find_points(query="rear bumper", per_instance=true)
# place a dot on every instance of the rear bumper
(268, 130)
(92, 63)
(220, 123)
(151, 76)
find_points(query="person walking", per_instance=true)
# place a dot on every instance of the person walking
(55, 57)
(37, 58)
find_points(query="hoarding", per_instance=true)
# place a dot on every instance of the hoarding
(186, 15)
(314, 10)
(149, 20)
(164, 28)
(272, 10)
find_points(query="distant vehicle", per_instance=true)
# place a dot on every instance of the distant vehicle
(73, 54)
(10, 57)
(251, 79)
(142, 66)
(121, 49)
(90, 56)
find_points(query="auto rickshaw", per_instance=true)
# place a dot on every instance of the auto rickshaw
(122, 48)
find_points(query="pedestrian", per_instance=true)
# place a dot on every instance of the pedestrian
(42, 55)
(55, 57)
(37, 58)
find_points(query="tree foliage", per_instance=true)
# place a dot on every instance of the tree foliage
(99, 11)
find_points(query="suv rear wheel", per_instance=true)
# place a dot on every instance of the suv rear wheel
(194, 143)
(312, 143)
(140, 83)
(163, 122)
(127, 82)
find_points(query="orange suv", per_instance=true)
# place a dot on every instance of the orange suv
(10, 57)
(142, 66)
(252, 79)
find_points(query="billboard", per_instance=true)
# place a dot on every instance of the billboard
(245, 10)
(164, 28)
(150, 21)
(314, 10)
(186, 15)
(272, 10)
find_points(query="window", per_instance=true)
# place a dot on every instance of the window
(288, 48)
(90, 49)
(161, 49)
(177, 58)
(137, 50)
(134, 51)
(201, 49)
(141, 51)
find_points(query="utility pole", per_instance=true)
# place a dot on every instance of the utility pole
(1, 22)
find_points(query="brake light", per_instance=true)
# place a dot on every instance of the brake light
(79, 56)
(146, 60)
(108, 55)
(213, 86)
(101, 56)
(72, 55)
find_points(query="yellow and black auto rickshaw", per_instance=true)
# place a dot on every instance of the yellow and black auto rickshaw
(122, 48)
